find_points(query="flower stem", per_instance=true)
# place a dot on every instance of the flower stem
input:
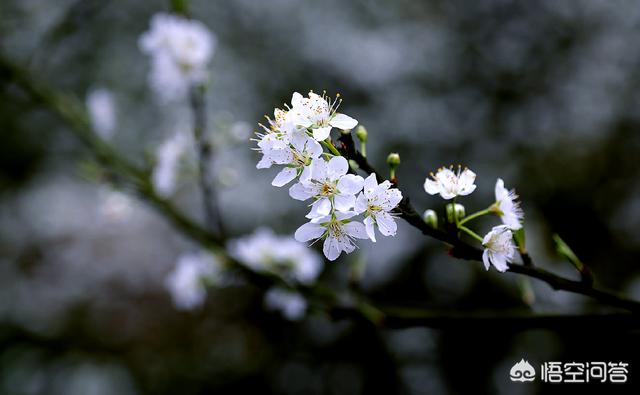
(363, 149)
(475, 215)
(470, 232)
(327, 143)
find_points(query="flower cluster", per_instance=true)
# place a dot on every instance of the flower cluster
(265, 252)
(499, 246)
(180, 51)
(294, 139)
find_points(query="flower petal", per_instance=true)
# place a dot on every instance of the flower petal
(321, 134)
(320, 208)
(368, 225)
(342, 215)
(344, 202)
(309, 231)
(431, 186)
(466, 182)
(356, 229)
(300, 192)
(299, 141)
(350, 184)
(391, 199)
(500, 191)
(342, 121)
(361, 204)
(331, 248)
(499, 261)
(386, 224)
(264, 163)
(337, 167)
(314, 149)
(296, 99)
(284, 177)
(485, 259)
(370, 184)
(318, 169)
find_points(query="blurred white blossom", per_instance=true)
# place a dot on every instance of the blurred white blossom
(180, 51)
(116, 206)
(292, 305)
(187, 282)
(264, 251)
(449, 184)
(499, 248)
(102, 112)
(508, 207)
(165, 172)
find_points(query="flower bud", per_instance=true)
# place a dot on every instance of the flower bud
(454, 211)
(361, 134)
(430, 217)
(393, 160)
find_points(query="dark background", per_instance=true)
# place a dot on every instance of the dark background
(543, 94)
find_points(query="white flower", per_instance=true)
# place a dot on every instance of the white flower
(187, 281)
(180, 51)
(329, 184)
(263, 251)
(116, 206)
(292, 305)
(376, 201)
(499, 248)
(338, 232)
(167, 161)
(294, 154)
(102, 112)
(449, 184)
(508, 208)
(317, 113)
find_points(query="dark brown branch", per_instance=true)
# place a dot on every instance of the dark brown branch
(505, 322)
(462, 250)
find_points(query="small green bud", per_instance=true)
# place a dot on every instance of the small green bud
(454, 211)
(361, 134)
(430, 217)
(393, 160)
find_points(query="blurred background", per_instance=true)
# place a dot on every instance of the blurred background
(544, 95)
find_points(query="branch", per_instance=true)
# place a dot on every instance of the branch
(72, 112)
(211, 207)
(406, 318)
(462, 250)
